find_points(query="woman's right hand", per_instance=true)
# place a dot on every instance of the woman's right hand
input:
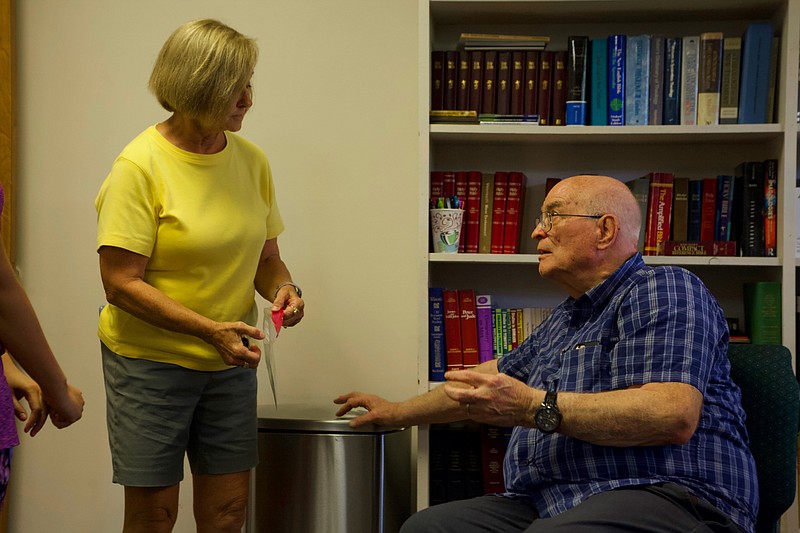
(229, 340)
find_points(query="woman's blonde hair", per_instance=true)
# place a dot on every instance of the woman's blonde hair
(201, 68)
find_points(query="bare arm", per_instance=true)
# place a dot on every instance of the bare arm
(122, 272)
(272, 272)
(22, 335)
(432, 407)
(654, 414)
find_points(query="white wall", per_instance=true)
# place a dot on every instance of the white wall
(336, 113)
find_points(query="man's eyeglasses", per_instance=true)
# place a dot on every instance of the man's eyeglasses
(546, 220)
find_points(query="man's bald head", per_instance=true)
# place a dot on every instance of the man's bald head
(605, 195)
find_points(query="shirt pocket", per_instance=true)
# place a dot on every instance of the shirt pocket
(586, 368)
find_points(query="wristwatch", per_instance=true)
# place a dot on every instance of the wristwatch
(297, 288)
(548, 417)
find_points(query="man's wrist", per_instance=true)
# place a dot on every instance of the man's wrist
(297, 288)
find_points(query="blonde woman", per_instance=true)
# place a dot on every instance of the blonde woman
(188, 229)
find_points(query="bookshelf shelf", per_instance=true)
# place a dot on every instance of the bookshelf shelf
(515, 259)
(625, 152)
(516, 12)
(523, 134)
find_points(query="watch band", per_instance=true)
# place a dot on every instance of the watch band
(550, 399)
(297, 288)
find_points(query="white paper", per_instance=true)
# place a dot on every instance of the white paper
(271, 336)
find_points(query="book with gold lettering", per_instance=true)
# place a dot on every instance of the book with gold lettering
(700, 248)
(659, 211)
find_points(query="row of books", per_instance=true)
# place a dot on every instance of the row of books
(704, 79)
(519, 83)
(466, 461)
(493, 207)
(618, 80)
(465, 330)
(726, 215)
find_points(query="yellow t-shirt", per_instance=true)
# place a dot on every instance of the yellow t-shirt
(202, 219)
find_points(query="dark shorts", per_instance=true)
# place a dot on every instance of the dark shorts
(157, 413)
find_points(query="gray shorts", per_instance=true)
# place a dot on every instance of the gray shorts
(158, 412)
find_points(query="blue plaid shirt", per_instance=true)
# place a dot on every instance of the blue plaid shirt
(640, 325)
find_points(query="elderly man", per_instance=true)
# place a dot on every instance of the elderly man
(625, 417)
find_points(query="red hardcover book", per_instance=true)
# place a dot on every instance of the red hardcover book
(708, 210)
(470, 351)
(531, 91)
(499, 211)
(489, 104)
(515, 205)
(461, 194)
(771, 208)
(721, 248)
(487, 212)
(452, 330)
(543, 99)
(476, 80)
(437, 80)
(450, 79)
(503, 82)
(437, 184)
(462, 88)
(472, 224)
(558, 110)
(493, 445)
(517, 94)
(659, 211)
(448, 184)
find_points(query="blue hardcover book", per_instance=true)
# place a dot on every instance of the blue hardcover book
(695, 209)
(722, 225)
(637, 80)
(577, 58)
(689, 65)
(754, 77)
(672, 80)
(656, 80)
(436, 351)
(598, 76)
(616, 79)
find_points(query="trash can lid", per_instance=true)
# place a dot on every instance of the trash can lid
(313, 419)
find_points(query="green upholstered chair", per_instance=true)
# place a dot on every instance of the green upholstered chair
(771, 401)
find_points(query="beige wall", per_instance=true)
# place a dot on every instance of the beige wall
(336, 113)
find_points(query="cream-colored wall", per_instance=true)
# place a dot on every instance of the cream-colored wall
(336, 113)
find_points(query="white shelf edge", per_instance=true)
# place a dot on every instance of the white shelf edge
(605, 134)
(650, 260)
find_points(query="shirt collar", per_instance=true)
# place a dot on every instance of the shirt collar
(597, 297)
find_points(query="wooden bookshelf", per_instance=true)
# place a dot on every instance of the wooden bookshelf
(625, 152)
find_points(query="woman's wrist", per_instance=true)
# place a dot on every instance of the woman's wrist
(297, 288)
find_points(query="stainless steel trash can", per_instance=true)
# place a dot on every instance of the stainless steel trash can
(318, 475)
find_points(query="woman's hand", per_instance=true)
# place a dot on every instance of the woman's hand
(67, 410)
(231, 340)
(22, 386)
(293, 306)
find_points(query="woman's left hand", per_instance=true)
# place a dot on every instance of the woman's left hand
(293, 306)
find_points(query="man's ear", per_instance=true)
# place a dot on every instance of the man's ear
(607, 231)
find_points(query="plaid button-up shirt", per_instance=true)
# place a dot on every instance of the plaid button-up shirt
(640, 325)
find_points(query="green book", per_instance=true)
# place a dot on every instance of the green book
(762, 312)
